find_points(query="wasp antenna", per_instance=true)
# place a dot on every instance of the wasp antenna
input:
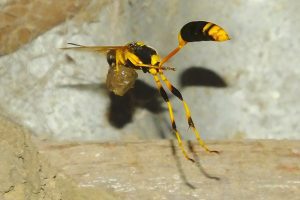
(75, 44)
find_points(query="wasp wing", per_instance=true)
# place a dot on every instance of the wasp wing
(101, 49)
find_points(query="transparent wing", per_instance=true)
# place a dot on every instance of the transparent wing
(100, 49)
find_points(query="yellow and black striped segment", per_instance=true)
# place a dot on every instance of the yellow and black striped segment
(191, 124)
(197, 31)
(159, 73)
(201, 31)
(140, 56)
(173, 123)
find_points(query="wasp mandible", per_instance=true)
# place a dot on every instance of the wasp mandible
(125, 60)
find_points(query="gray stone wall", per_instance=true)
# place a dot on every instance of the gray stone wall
(61, 93)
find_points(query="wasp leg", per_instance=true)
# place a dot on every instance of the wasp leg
(166, 99)
(156, 67)
(136, 62)
(176, 92)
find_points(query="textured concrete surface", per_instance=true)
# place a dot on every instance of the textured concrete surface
(26, 175)
(36, 169)
(57, 93)
(262, 169)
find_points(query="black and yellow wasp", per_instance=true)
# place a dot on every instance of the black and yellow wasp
(125, 60)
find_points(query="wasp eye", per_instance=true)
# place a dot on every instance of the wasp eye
(132, 44)
(111, 57)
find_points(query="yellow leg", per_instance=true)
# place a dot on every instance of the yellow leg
(187, 112)
(165, 97)
(156, 67)
(136, 62)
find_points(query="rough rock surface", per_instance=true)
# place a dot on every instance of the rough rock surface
(262, 169)
(26, 175)
(51, 170)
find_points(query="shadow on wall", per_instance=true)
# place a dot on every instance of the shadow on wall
(181, 170)
(121, 109)
(200, 76)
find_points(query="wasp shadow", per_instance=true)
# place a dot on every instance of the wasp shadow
(197, 163)
(179, 166)
(201, 76)
(122, 108)
(93, 87)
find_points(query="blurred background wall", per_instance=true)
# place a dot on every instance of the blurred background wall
(247, 87)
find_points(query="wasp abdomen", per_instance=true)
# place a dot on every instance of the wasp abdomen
(202, 31)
